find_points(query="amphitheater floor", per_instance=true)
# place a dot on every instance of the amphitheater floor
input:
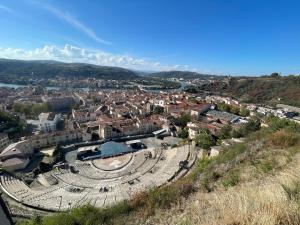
(113, 163)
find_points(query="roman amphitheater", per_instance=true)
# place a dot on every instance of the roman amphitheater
(101, 181)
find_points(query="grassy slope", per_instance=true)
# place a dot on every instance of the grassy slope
(265, 190)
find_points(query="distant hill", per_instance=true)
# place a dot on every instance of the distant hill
(181, 74)
(50, 69)
(259, 89)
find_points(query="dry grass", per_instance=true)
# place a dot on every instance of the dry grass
(262, 202)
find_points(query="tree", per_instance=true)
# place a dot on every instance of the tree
(11, 124)
(252, 125)
(275, 75)
(244, 112)
(236, 133)
(184, 119)
(184, 133)
(31, 110)
(224, 107)
(234, 110)
(225, 132)
(158, 109)
(205, 140)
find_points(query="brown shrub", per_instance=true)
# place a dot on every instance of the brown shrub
(283, 138)
(138, 199)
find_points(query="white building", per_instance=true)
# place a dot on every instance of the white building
(48, 121)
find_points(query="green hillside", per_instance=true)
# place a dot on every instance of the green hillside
(10, 69)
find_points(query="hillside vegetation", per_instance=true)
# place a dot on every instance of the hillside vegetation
(181, 74)
(10, 69)
(259, 90)
(11, 124)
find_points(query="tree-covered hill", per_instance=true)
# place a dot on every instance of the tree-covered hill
(181, 74)
(259, 90)
(50, 69)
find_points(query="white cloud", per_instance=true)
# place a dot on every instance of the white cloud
(72, 20)
(69, 53)
(7, 9)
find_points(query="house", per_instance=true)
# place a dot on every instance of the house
(194, 128)
(266, 110)
(107, 131)
(128, 127)
(83, 116)
(199, 109)
(224, 117)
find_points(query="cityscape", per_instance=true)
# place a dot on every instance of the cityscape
(89, 137)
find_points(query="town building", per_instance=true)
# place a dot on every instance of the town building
(4, 141)
(224, 117)
(48, 121)
(16, 156)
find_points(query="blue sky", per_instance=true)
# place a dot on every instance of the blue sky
(246, 37)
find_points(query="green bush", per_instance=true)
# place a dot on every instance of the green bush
(184, 133)
(275, 123)
(231, 179)
(85, 215)
(207, 180)
(184, 119)
(251, 126)
(264, 165)
(225, 132)
(234, 109)
(202, 164)
(60, 219)
(205, 140)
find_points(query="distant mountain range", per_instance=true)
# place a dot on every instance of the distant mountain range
(182, 74)
(51, 69)
(47, 69)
